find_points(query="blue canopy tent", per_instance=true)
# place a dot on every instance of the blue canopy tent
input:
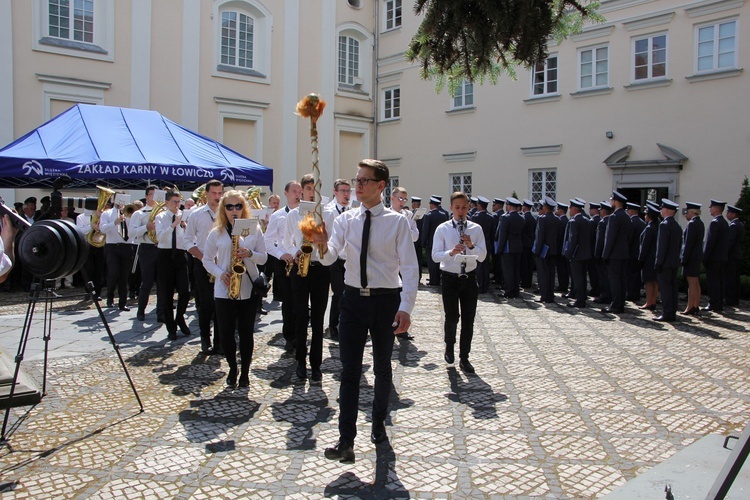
(122, 148)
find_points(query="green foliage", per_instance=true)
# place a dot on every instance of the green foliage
(514, 195)
(480, 40)
(743, 202)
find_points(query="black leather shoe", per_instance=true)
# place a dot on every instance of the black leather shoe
(712, 309)
(316, 375)
(140, 316)
(232, 377)
(124, 308)
(301, 372)
(343, 452)
(693, 311)
(405, 336)
(667, 319)
(244, 380)
(378, 434)
(651, 307)
(160, 319)
(448, 356)
(289, 347)
(184, 328)
(172, 336)
(466, 366)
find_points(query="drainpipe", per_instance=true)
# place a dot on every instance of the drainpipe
(375, 79)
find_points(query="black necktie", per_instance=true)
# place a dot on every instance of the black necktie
(174, 234)
(363, 253)
(124, 230)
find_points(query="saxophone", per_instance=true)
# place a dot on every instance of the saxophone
(304, 259)
(238, 269)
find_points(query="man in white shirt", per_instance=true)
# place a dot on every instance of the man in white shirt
(94, 267)
(147, 255)
(172, 262)
(118, 255)
(7, 239)
(342, 191)
(309, 293)
(459, 281)
(282, 284)
(399, 198)
(199, 224)
(377, 245)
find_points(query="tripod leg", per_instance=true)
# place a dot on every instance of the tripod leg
(49, 292)
(33, 298)
(90, 290)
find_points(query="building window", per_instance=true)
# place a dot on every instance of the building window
(348, 60)
(237, 39)
(392, 14)
(72, 22)
(464, 97)
(461, 182)
(544, 77)
(354, 60)
(593, 67)
(543, 183)
(717, 46)
(392, 183)
(392, 103)
(650, 57)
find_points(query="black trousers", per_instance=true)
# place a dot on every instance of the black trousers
(605, 294)
(511, 273)
(545, 275)
(667, 279)
(578, 275)
(715, 284)
(337, 287)
(147, 256)
(95, 270)
(134, 278)
(311, 291)
(527, 267)
(173, 276)
(483, 274)
(358, 316)
(634, 283)
(239, 316)
(282, 292)
(617, 273)
(732, 283)
(433, 268)
(497, 268)
(206, 305)
(418, 250)
(459, 302)
(593, 278)
(563, 274)
(119, 261)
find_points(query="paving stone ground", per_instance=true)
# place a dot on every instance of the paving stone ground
(565, 404)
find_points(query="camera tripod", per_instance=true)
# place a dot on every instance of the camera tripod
(44, 289)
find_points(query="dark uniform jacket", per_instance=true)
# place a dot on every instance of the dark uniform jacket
(432, 220)
(563, 227)
(647, 252)
(691, 254)
(594, 221)
(578, 243)
(717, 241)
(487, 223)
(635, 236)
(601, 231)
(547, 229)
(529, 229)
(510, 232)
(668, 244)
(736, 236)
(617, 237)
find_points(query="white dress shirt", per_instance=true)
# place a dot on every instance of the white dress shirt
(447, 237)
(164, 230)
(83, 223)
(412, 224)
(200, 223)
(390, 251)
(138, 226)
(110, 228)
(275, 232)
(293, 235)
(217, 259)
(5, 262)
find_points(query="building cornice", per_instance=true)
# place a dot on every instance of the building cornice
(673, 159)
(549, 150)
(76, 82)
(707, 7)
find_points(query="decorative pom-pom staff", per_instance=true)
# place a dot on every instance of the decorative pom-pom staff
(312, 106)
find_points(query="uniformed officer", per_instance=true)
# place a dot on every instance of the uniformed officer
(634, 283)
(563, 266)
(497, 267)
(545, 249)
(668, 260)
(715, 256)
(616, 252)
(577, 249)
(691, 255)
(416, 203)
(510, 246)
(473, 202)
(487, 223)
(732, 269)
(529, 233)
(605, 210)
(432, 220)
(594, 219)
(647, 255)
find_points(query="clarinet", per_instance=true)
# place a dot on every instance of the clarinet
(461, 230)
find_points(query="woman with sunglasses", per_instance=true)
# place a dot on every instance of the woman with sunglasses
(217, 259)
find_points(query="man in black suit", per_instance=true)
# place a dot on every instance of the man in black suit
(432, 220)
(487, 223)
(668, 244)
(616, 252)
(577, 249)
(545, 249)
(732, 269)
(497, 267)
(605, 210)
(416, 203)
(563, 266)
(594, 219)
(510, 246)
(716, 255)
(529, 233)
(634, 282)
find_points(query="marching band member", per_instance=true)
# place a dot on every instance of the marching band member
(118, 254)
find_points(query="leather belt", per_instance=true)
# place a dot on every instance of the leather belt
(455, 275)
(368, 292)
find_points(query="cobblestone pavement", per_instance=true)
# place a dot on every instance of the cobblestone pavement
(565, 404)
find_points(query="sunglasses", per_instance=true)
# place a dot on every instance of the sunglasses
(236, 206)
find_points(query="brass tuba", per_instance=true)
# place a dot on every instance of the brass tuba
(158, 208)
(95, 237)
(253, 198)
(199, 195)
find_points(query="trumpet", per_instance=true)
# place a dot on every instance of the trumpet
(128, 210)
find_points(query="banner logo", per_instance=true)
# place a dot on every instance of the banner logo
(33, 167)
(227, 176)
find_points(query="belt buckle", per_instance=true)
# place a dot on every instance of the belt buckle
(364, 292)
